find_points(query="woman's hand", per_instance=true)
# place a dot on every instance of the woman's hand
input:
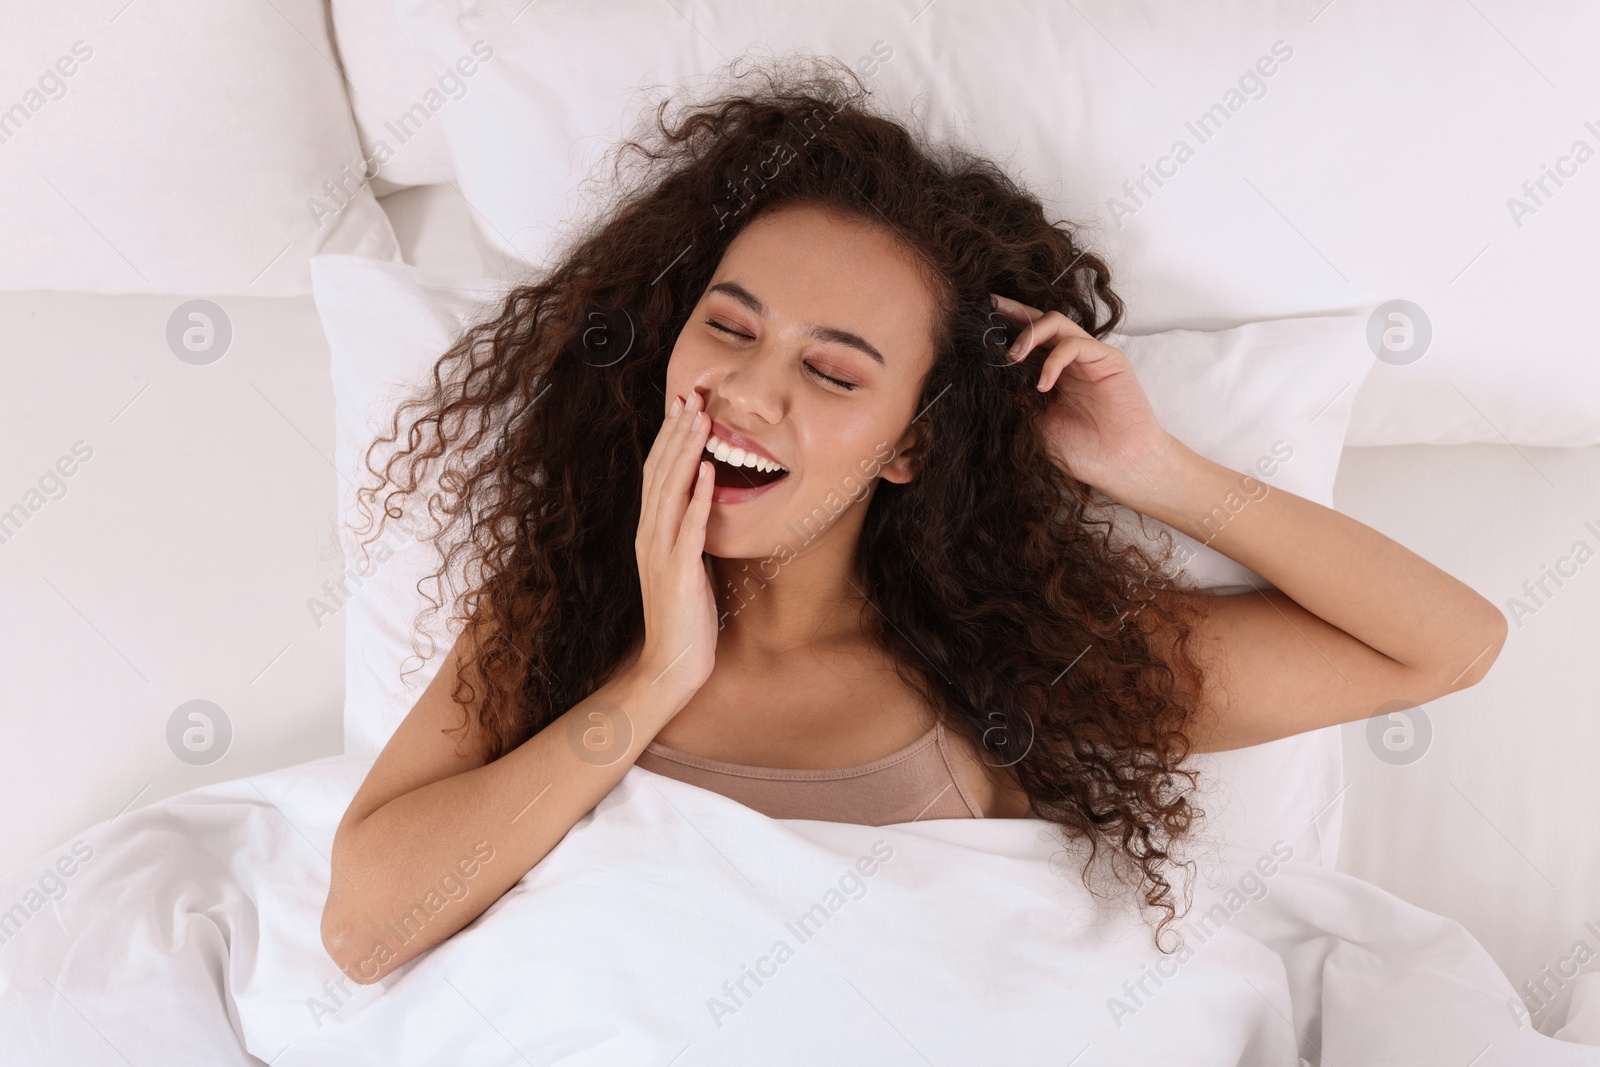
(680, 610)
(1099, 424)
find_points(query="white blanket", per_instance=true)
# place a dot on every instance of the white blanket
(673, 925)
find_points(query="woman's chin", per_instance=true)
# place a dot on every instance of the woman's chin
(735, 537)
(727, 544)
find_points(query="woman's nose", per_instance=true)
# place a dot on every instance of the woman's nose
(754, 385)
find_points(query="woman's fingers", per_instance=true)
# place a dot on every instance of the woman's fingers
(1024, 319)
(1066, 352)
(1048, 328)
(652, 462)
(693, 535)
(1014, 310)
(675, 576)
(652, 466)
(1037, 327)
(678, 466)
(1093, 359)
(1022, 314)
(1066, 342)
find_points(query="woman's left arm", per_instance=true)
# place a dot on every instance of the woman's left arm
(1356, 620)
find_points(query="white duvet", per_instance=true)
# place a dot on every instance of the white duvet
(675, 926)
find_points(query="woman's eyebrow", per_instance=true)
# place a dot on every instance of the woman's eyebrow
(827, 334)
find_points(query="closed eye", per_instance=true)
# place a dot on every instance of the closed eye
(824, 377)
(715, 325)
(718, 326)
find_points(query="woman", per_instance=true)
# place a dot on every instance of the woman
(886, 593)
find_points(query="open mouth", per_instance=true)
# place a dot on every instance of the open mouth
(742, 477)
(736, 469)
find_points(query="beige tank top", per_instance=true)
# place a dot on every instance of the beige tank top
(917, 782)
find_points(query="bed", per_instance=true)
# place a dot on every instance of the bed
(194, 683)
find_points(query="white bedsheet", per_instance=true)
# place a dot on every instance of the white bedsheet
(187, 933)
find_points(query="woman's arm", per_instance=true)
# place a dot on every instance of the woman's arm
(430, 815)
(435, 835)
(1357, 620)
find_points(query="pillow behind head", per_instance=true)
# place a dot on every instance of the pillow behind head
(1270, 400)
(387, 324)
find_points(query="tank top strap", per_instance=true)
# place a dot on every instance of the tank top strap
(949, 757)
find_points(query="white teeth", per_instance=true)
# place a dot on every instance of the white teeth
(738, 457)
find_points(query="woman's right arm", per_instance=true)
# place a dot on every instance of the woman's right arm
(435, 835)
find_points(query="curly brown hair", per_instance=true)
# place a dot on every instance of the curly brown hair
(1003, 595)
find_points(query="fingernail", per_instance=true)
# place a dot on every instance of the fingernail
(677, 405)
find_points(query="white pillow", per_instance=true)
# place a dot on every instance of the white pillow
(1274, 209)
(396, 93)
(1270, 400)
(176, 146)
(387, 324)
(1229, 395)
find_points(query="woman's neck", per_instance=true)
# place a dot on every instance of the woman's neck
(768, 609)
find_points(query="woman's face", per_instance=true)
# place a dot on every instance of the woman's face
(830, 342)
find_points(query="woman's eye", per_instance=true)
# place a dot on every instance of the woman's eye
(824, 377)
(715, 325)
